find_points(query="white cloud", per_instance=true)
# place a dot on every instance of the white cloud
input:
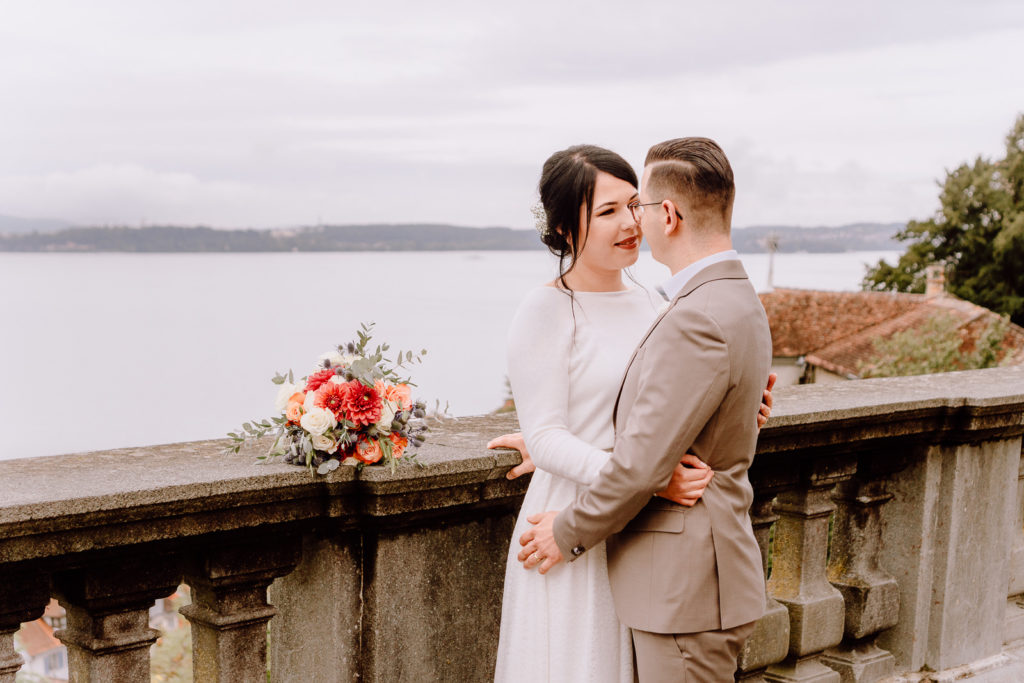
(128, 194)
(249, 114)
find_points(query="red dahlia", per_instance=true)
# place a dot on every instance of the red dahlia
(318, 379)
(361, 403)
(331, 397)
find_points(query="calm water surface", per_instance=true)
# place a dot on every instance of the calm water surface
(109, 350)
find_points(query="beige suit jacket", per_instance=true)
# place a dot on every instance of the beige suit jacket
(694, 384)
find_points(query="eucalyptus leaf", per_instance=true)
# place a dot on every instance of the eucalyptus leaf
(327, 466)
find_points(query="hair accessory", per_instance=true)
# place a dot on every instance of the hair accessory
(540, 219)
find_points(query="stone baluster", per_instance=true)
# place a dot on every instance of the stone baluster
(230, 611)
(108, 635)
(1014, 630)
(329, 574)
(799, 580)
(769, 642)
(871, 595)
(23, 597)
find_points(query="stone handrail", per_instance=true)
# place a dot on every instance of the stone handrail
(387, 576)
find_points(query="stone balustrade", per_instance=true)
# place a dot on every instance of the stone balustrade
(890, 514)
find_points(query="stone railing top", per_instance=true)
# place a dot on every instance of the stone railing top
(174, 483)
(134, 495)
(954, 405)
(815, 403)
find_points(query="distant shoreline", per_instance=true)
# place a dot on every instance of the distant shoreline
(403, 237)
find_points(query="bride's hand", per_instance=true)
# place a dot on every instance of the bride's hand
(515, 441)
(766, 402)
(688, 483)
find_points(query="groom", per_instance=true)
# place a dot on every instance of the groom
(687, 581)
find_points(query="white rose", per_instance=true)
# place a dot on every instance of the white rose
(317, 420)
(333, 357)
(337, 379)
(387, 416)
(324, 443)
(310, 402)
(283, 394)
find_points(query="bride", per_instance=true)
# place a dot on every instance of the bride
(569, 344)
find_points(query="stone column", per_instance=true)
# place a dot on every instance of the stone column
(1014, 630)
(799, 580)
(871, 596)
(23, 597)
(769, 642)
(430, 591)
(320, 602)
(229, 610)
(108, 635)
(947, 537)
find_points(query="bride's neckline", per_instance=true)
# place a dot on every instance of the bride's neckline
(628, 290)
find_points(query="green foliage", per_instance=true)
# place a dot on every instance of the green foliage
(978, 232)
(935, 346)
(171, 656)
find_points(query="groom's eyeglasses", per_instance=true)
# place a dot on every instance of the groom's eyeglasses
(637, 209)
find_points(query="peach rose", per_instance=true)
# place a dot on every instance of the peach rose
(369, 451)
(294, 411)
(398, 444)
(399, 393)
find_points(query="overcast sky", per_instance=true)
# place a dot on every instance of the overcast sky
(268, 114)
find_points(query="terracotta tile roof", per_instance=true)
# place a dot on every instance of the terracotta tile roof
(836, 330)
(803, 320)
(37, 637)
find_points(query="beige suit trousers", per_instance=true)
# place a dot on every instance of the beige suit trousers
(706, 657)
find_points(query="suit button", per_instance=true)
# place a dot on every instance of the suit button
(578, 550)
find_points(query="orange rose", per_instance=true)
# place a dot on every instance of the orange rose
(369, 451)
(398, 444)
(399, 393)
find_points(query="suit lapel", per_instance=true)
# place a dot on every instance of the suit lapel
(723, 270)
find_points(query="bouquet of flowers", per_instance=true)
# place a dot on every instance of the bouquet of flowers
(353, 409)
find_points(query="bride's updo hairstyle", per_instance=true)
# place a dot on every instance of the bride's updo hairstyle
(566, 184)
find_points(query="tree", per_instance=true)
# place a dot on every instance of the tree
(978, 233)
(936, 345)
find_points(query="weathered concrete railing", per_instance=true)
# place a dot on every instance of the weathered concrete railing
(918, 482)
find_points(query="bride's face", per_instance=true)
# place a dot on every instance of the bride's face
(613, 242)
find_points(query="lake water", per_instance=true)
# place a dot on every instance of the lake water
(108, 350)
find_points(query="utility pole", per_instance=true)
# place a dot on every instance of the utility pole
(771, 243)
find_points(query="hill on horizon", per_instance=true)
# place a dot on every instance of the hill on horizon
(403, 237)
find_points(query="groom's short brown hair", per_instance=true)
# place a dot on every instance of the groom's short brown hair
(695, 170)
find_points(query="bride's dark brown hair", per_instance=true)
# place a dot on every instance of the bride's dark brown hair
(567, 183)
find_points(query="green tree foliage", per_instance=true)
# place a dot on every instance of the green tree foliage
(934, 346)
(978, 232)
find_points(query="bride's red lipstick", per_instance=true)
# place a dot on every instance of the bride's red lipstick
(629, 243)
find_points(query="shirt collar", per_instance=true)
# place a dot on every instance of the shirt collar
(675, 284)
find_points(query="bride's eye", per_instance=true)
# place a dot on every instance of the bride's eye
(606, 212)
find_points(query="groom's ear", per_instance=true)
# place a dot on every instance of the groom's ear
(672, 221)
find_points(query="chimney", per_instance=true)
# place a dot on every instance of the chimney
(936, 280)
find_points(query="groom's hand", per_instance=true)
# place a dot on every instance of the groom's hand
(539, 547)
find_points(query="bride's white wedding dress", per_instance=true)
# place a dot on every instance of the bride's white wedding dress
(565, 364)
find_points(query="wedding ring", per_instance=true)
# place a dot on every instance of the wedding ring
(538, 557)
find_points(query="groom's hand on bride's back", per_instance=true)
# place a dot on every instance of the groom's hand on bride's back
(515, 441)
(689, 479)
